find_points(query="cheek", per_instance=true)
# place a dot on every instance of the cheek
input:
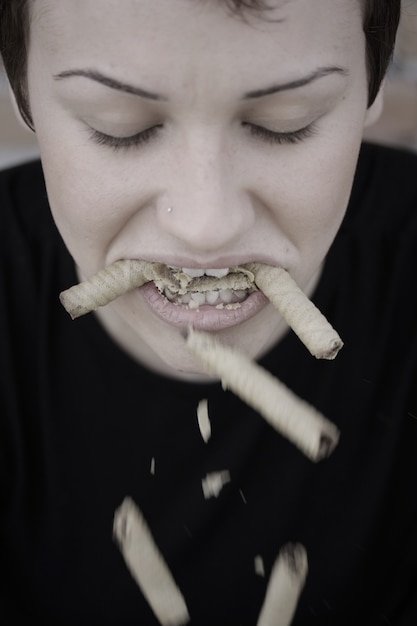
(308, 190)
(88, 191)
(90, 202)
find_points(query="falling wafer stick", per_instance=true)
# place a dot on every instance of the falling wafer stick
(285, 585)
(214, 482)
(291, 416)
(308, 323)
(203, 419)
(147, 565)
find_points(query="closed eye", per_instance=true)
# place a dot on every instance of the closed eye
(132, 141)
(274, 137)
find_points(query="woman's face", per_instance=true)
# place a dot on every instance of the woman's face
(247, 129)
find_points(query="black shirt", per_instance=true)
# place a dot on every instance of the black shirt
(82, 426)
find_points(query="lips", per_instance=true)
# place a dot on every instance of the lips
(231, 307)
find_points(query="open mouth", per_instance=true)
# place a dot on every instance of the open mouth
(207, 299)
(224, 288)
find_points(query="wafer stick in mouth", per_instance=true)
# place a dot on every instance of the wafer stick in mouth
(291, 416)
(305, 319)
(107, 285)
(147, 565)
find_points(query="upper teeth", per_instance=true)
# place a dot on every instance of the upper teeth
(196, 273)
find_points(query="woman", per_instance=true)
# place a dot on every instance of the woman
(203, 136)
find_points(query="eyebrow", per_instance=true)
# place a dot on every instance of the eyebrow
(107, 81)
(298, 82)
(112, 83)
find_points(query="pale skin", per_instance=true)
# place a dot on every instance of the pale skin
(238, 193)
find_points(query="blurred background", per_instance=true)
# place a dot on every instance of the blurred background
(397, 125)
(16, 142)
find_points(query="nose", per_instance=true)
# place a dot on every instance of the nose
(209, 208)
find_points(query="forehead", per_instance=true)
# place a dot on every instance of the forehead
(153, 32)
(252, 10)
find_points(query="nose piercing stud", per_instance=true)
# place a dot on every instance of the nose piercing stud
(169, 209)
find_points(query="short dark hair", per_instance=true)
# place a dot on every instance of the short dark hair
(14, 32)
(380, 24)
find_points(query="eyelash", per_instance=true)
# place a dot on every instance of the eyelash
(119, 143)
(273, 137)
(270, 136)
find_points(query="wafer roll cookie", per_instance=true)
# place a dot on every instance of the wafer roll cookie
(147, 565)
(285, 585)
(308, 323)
(291, 416)
(109, 283)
